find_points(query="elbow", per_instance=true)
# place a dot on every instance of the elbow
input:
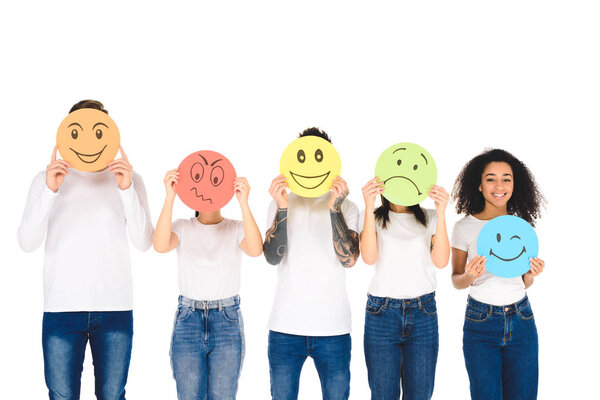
(440, 264)
(369, 260)
(272, 260)
(26, 245)
(255, 252)
(456, 283)
(159, 248)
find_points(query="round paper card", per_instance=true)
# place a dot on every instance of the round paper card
(407, 171)
(309, 164)
(88, 139)
(205, 181)
(507, 242)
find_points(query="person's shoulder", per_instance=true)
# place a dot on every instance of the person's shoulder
(136, 177)
(184, 221)
(429, 213)
(349, 206)
(464, 221)
(233, 222)
(39, 177)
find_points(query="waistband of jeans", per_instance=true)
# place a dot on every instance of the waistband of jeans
(491, 309)
(209, 304)
(392, 302)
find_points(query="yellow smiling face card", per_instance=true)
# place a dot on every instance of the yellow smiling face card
(309, 164)
(88, 139)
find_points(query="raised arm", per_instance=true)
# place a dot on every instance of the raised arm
(275, 244)
(41, 197)
(252, 242)
(135, 202)
(164, 239)
(368, 236)
(537, 266)
(440, 245)
(345, 241)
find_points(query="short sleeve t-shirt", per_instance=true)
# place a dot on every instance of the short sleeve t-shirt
(488, 288)
(404, 269)
(311, 298)
(209, 258)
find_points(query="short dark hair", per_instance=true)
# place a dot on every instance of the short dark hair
(526, 201)
(315, 132)
(88, 104)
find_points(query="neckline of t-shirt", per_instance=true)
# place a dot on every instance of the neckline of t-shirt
(480, 220)
(312, 198)
(210, 226)
(88, 173)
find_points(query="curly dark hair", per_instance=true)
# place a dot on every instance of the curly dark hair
(526, 201)
(315, 132)
(96, 105)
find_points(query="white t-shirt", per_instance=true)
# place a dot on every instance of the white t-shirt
(488, 288)
(209, 258)
(86, 223)
(404, 269)
(311, 298)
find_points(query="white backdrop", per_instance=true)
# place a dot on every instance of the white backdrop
(243, 79)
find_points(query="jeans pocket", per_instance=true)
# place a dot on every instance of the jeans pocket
(475, 315)
(183, 312)
(429, 308)
(231, 313)
(526, 313)
(373, 308)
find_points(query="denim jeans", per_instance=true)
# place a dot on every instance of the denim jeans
(401, 346)
(331, 355)
(207, 348)
(64, 338)
(500, 344)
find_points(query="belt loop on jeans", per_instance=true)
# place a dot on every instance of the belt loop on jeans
(491, 310)
(220, 306)
(193, 306)
(386, 302)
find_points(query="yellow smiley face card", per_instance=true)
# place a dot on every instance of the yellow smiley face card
(88, 139)
(309, 164)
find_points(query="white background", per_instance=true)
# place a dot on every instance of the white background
(243, 79)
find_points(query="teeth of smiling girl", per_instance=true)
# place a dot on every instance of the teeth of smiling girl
(498, 195)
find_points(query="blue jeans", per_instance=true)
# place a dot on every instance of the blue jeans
(64, 338)
(331, 355)
(500, 344)
(207, 348)
(401, 346)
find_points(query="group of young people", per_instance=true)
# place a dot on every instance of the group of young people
(85, 219)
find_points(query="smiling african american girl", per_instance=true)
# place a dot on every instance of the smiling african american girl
(207, 347)
(406, 244)
(500, 341)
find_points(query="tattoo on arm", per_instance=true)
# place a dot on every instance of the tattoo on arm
(276, 238)
(345, 241)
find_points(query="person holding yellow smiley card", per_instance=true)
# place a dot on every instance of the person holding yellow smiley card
(85, 206)
(313, 238)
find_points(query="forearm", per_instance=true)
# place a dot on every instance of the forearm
(34, 223)
(345, 241)
(162, 232)
(254, 245)
(528, 280)
(137, 215)
(275, 244)
(368, 239)
(462, 281)
(440, 252)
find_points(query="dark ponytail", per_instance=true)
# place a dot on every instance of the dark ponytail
(382, 213)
